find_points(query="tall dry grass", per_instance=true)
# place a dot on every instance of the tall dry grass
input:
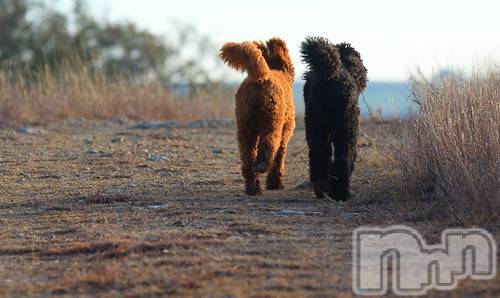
(75, 91)
(452, 147)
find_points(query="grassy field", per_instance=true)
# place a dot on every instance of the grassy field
(107, 209)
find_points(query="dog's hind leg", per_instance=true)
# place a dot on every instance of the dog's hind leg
(247, 140)
(320, 154)
(345, 157)
(339, 174)
(277, 172)
(269, 143)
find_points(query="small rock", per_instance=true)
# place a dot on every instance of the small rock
(199, 225)
(179, 224)
(155, 125)
(347, 215)
(96, 153)
(157, 158)
(152, 238)
(53, 277)
(287, 212)
(235, 239)
(218, 151)
(163, 206)
(26, 175)
(118, 140)
(12, 135)
(92, 152)
(28, 130)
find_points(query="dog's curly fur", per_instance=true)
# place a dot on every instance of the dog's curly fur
(265, 113)
(334, 81)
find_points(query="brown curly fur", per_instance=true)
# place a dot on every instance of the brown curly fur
(265, 113)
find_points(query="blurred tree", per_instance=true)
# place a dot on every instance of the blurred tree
(124, 49)
(40, 36)
(49, 42)
(14, 29)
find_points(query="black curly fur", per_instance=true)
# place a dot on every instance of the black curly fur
(334, 81)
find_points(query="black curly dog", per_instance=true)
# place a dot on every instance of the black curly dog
(334, 81)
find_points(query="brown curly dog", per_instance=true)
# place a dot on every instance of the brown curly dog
(265, 113)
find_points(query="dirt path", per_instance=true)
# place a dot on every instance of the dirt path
(99, 209)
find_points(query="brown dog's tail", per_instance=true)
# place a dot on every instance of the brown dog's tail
(245, 56)
(278, 57)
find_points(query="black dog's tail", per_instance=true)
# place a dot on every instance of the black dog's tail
(351, 59)
(322, 57)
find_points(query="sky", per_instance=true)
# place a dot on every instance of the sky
(394, 37)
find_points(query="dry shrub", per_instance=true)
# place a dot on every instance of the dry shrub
(75, 91)
(452, 147)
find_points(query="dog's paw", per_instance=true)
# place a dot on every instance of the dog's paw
(275, 186)
(274, 181)
(320, 188)
(339, 196)
(253, 190)
(320, 195)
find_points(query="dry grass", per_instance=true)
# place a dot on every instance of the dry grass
(75, 91)
(452, 147)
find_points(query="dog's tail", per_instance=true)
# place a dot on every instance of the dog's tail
(245, 56)
(351, 59)
(322, 57)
